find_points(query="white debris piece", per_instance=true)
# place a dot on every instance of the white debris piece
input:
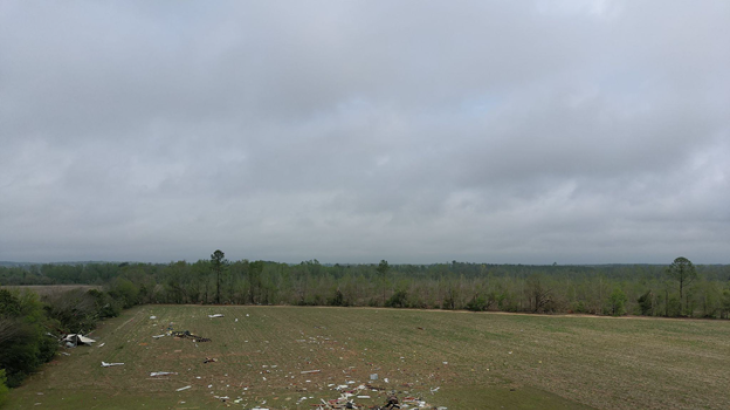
(216, 315)
(153, 317)
(183, 388)
(155, 374)
(105, 364)
(158, 336)
(78, 338)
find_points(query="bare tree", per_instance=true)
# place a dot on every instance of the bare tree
(218, 261)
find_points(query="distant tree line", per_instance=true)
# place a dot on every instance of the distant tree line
(677, 290)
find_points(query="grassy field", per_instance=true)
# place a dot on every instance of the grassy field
(454, 359)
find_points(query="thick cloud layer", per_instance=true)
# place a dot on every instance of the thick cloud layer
(521, 132)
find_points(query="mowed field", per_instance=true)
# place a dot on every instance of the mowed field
(458, 360)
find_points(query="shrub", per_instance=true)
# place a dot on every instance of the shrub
(3, 387)
(645, 303)
(398, 300)
(24, 344)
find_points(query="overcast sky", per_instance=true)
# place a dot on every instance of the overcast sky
(354, 131)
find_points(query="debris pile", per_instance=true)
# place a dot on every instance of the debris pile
(392, 402)
(349, 395)
(186, 334)
(73, 340)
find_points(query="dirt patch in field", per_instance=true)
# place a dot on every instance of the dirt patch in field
(42, 290)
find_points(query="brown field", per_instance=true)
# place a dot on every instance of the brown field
(49, 289)
(454, 359)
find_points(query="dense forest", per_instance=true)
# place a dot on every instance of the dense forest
(30, 325)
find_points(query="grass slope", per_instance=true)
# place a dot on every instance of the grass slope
(477, 361)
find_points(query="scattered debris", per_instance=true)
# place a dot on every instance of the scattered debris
(311, 371)
(101, 345)
(210, 360)
(216, 315)
(374, 376)
(105, 364)
(158, 336)
(153, 317)
(183, 388)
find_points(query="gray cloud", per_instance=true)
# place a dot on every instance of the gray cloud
(525, 132)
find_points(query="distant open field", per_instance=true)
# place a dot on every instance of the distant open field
(455, 359)
(48, 289)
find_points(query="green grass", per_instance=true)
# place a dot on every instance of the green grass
(493, 361)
